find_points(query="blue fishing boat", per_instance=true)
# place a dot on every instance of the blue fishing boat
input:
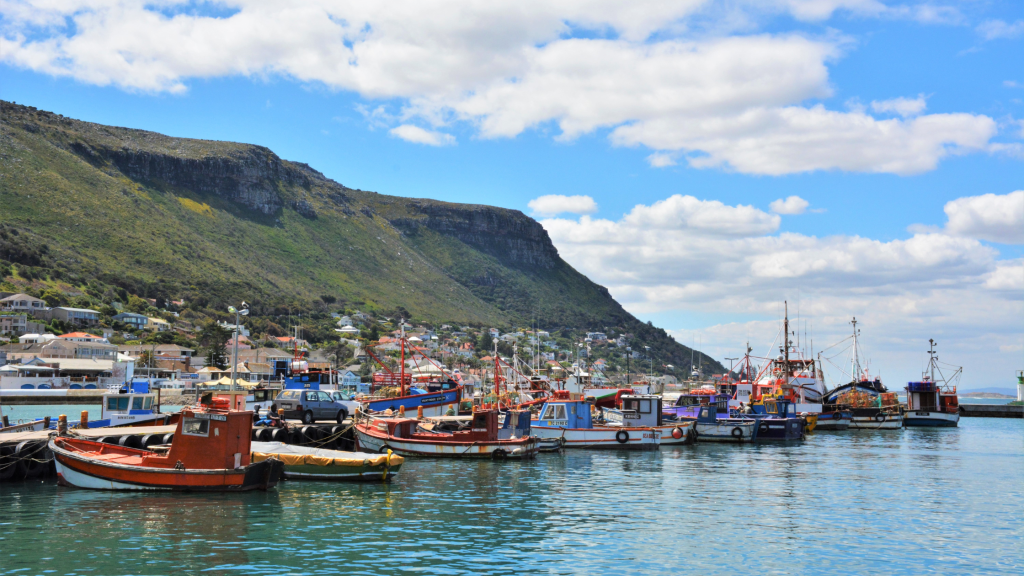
(776, 419)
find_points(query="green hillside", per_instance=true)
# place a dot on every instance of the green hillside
(105, 211)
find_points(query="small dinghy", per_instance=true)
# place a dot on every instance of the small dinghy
(308, 463)
(210, 451)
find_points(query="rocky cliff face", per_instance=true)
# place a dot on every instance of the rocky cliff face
(509, 235)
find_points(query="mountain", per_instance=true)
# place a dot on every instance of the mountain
(214, 223)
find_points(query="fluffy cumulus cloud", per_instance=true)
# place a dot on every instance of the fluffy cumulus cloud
(791, 205)
(992, 217)
(690, 255)
(691, 80)
(555, 204)
(902, 106)
(418, 135)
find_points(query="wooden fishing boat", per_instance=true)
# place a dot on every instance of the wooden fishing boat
(570, 421)
(933, 401)
(484, 439)
(646, 411)
(210, 451)
(309, 463)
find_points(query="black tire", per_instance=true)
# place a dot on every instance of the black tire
(737, 432)
(107, 440)
(168, 438)
(130, 441)
(279, 435)
(763, 428)
(28, 455)
(263, 434)
(622, 436)
(255, 434)
(342, 415)
(307, 417)
(151, 440)
(499, 455)
(880, 418)
(384, 449)
(7, 463)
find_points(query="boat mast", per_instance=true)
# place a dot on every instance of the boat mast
(855, 368)
(401, 326)
(931, 356)
(785, 341)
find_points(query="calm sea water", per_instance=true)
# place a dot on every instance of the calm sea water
(901, 502)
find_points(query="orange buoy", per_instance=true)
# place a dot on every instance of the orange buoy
(419, 412)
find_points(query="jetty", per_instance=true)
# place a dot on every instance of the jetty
(991, 411)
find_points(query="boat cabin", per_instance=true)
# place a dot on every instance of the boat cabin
(516, 423)
(641, 410)
(128, 404)
(483, 428)
(774, 406)
(928, 396)
(212, 437)
(564, 413)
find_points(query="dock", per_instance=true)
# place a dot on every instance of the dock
(991, 411)
(24, 455)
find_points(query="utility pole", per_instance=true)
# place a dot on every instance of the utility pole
(243, 311)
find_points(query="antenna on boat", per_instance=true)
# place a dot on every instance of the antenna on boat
(856, 359)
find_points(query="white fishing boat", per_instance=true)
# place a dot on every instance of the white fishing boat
(933, 401)
(646, 411)
(570, 421)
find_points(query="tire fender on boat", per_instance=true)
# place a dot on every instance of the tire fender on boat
(880, 418)
(622, 436)
(737, 432)
(763, 428)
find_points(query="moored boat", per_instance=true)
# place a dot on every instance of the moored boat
(309, 463)
(645, 410)
(210, 451)
(570, 421)
(484, 439)
(930, 403)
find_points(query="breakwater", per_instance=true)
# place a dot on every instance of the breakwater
(991, 411)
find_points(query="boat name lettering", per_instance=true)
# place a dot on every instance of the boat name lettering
(431, 399)
(558, 423)
(205, 416)
(649, 436)
(479, 429)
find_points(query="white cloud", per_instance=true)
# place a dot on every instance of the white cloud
(994, 29)
(791, 205)
(903, 106)
(555, 204)
(992, 217)
(418, 135)
(688, 256)
(660, 74)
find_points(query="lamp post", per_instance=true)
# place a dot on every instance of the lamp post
(629, 352)
(239, 312)
(647, 350)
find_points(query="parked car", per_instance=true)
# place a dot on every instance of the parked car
(312, 405)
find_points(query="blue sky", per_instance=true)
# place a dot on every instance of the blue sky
(586, 99)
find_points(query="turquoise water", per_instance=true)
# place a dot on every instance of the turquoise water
(901, 502)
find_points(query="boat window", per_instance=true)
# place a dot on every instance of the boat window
(195, 427)
(137, 403)
(645, 406)
(148, 404)
(117, 403)
(633, 405)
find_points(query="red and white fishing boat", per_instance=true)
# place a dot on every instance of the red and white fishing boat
(484, 438)
(210, 451)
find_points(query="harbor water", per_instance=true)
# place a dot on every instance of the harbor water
(915, 501)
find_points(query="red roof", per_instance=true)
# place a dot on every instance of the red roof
(81, 335)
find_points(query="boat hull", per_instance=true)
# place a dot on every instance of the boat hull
(371, 440)
(925, 418)
(78, 470)
(433, 404)
(834, 421)
(725, 431)
(779, 429)
(875, 419)
(602, 437)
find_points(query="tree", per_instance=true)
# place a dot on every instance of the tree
(213, 338)
(137, 305)
(486, 342)
(53, 297)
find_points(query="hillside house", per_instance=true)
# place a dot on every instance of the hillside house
(136, 321)
(22, 303)
(159, 324)
(76, 316)
(14, 324)
(83, 337)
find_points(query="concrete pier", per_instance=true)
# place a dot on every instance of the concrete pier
(991, 411)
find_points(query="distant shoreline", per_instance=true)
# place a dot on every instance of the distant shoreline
(986, 395)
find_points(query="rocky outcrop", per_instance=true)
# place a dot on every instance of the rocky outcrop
(509, 235)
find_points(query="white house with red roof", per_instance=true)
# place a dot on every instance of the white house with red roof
(83, 337)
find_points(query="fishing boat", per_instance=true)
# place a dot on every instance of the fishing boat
(710, 427)
(210, 451)
(777, 418)
(395, 391)
(870, 404)
(933, 401)
(484, 438)
(645, 411)
(569, 420)
(309, 463)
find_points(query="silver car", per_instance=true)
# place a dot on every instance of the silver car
(310, 406)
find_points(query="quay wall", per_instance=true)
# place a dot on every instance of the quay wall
(991, 411)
